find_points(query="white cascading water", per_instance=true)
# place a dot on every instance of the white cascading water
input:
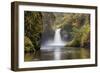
(57, 38)
(55, 45)
(57, 42)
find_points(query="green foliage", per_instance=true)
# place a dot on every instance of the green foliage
(28, 44)
(33, 27)
(80, 30)
(81, 36)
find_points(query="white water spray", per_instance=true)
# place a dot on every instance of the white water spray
(57, 39)
(55, 45)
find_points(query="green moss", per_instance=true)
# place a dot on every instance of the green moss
(28, 44)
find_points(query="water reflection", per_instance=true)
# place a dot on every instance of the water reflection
(58, 53)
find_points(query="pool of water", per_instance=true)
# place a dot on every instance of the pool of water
(58, 53)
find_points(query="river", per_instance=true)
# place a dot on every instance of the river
(58, 53)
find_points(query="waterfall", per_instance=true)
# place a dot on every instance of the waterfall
(55, 45)
(57, 38)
